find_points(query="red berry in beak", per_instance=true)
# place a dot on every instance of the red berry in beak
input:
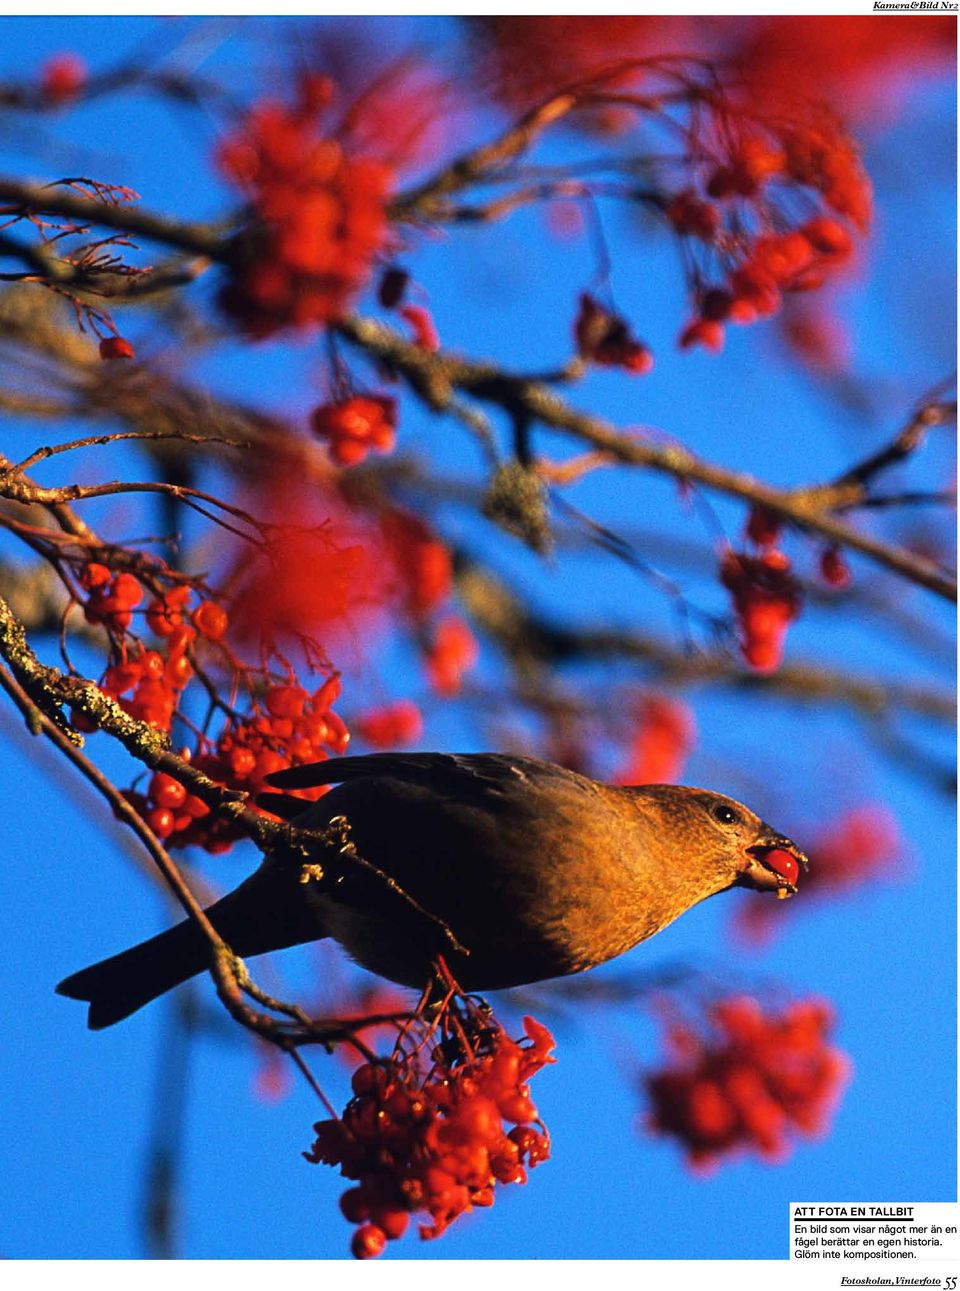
(783, 863)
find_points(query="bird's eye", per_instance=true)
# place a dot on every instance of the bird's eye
(726, 815)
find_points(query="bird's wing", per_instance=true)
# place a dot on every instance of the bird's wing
(283, 805)
(458, 771)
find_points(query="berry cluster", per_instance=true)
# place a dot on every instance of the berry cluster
(288, 725)
(320, 215)
(112, 597)
(147, 683)
(604, 338)
(436, 1143)
(766, 595)
(290, 728)
(749, 172)
(155, 680)
(169, 809)
(766, 600)
(750, 1082)
(662, 738)
(352, 427)
(855, 61)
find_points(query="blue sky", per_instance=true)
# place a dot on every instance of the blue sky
(80, 1108)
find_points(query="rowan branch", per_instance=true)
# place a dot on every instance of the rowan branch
(850, 488)
(536, 646)
(435, 376)
(24, 199)
(15, 487)
(424, 202)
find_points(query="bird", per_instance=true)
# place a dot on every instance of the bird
(512, 869)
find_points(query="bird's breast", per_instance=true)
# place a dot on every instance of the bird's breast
(532, 885)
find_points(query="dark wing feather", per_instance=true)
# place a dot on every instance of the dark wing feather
(433, 770)
(283, 805)
(399, 766)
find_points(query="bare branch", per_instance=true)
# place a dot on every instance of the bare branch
(24, 198)
(434, 377)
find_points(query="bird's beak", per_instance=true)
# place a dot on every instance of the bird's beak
(773, 863)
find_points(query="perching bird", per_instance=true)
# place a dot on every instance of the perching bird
(536, 871)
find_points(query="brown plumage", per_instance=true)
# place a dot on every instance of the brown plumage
(537, 871)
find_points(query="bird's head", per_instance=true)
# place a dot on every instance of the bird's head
(728, 837)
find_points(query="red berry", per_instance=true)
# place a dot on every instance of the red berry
(285, 701)
(268, 762)
(127, 591)
(367, 1079)
(763, 527)
(210, 620)
(115, 347)
(827, 236)
(778, 561)
(423, 327)
(161, 821)
(517, 1106)
(638, 359)
(783, 257)
(242, 762)
(347, 452)
(164, 791)
(161, 620)
(742, 312)
(80, 722)
(396, 725)
(153, 665)
(368, 1242)
(326, 695)
(121, 677)
(178, 671)
(691, 216)
(702, 331)
(62, 77)
(393, 1222)
(94, 575)
(763, 653)
(784, 863)
(117, 620)
(181, 636)
(314, 92)
(196, 807)
(353, 426)
(355, 1206)
(834, 568)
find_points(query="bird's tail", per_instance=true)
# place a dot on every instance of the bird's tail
(118, 986)
(267, 912)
